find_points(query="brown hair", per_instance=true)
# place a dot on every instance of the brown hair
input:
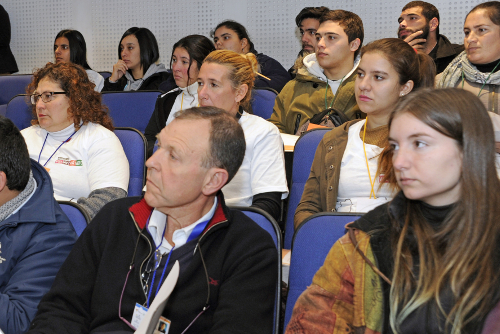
(242, 69)
(84, 102)
(350, 22)
(460, 254)
(410, 65)
(493, 9)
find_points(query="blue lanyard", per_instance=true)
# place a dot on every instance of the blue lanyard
(64, 142)
(198, 229)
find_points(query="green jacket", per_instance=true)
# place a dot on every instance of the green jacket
(305, 96)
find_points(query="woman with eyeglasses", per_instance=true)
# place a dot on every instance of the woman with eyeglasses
(136, 68)
(70, 47)
(72, 138)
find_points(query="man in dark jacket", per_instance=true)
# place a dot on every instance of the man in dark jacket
(419, 27)
(228, 264)
(35, 235)
(308, 22)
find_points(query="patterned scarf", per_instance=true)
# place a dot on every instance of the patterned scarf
(12, 205)
(453, 73)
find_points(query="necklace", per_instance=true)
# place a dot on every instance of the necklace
(335, 97)
(372, 184)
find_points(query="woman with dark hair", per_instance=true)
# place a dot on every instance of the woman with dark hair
(225, 81)
(428, 261)
(70, 47)
(187, 56)
(136, 68)
(72, 138)
(231, 35)
(477, 69)
(345, 171)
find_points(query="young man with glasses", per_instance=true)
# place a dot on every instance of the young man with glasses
(326, 77)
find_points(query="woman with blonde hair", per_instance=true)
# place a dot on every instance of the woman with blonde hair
(225, 81)
(428, 261)
(72, 138)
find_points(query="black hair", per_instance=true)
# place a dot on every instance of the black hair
(197, 47)
(310, 13)
(429, 11)
(14, 157)
(147, 44)
(77, 47)
(238, 28)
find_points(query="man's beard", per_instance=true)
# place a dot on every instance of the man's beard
(304, 49)
(423, 35)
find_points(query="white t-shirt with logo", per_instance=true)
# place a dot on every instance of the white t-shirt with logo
(354, 183)
(92, 159)
(263, 168)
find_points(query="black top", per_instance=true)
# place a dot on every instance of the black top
(151, 83)
(488, 68)
(427, 319)
(7, 61)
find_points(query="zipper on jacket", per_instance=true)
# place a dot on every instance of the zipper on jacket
(150, 251)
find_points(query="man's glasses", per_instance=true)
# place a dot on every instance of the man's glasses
(46, 97)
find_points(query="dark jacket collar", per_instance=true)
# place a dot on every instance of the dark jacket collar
(141, 212)
(445, 48)
(40, 207)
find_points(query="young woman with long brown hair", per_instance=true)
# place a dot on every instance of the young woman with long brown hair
(343, 174)
(428, 261)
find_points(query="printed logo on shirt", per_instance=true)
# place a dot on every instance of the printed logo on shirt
(68, 162)
(214, 281)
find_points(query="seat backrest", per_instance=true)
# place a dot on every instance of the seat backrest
(134, 145)
(303, 156)
(3, 109)
(264, 220)
(312, 242)
(76, 214)
(12, 85)
(131, 109)
(19, 111)
(105, 74)
(262, 102)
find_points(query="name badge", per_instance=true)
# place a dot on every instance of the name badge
(140, 311)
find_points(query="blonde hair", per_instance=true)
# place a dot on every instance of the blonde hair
(242, 70)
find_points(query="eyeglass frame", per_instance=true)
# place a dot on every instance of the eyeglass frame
(35, 97)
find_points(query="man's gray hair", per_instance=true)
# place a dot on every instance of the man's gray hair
(227, 140)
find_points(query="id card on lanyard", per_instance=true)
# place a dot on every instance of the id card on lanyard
(140, 310)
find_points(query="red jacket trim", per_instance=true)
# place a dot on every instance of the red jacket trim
(142, 211)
